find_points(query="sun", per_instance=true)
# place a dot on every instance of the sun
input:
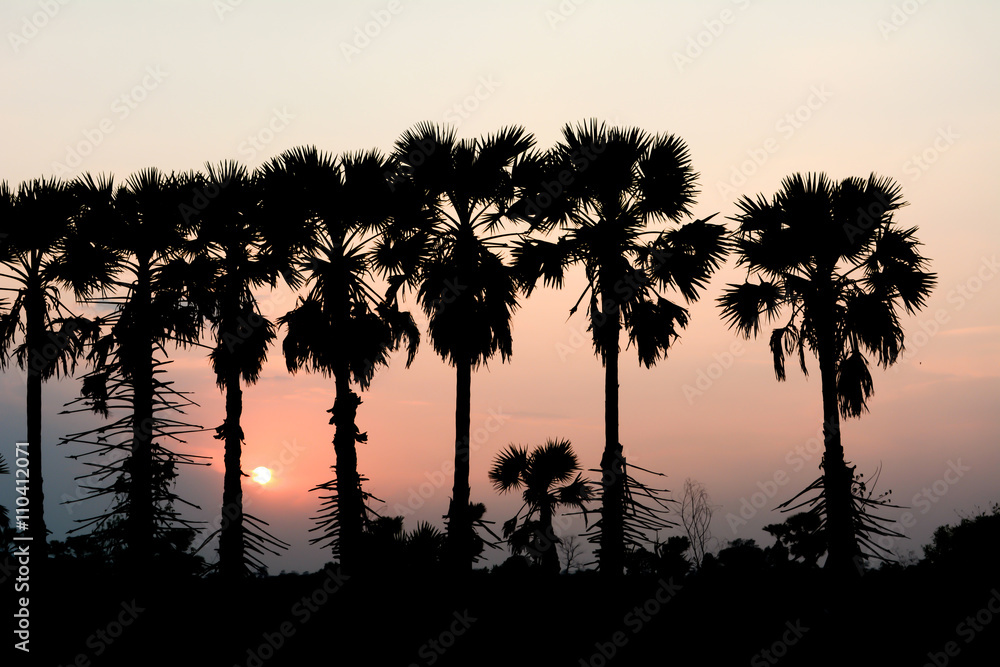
(261, 475)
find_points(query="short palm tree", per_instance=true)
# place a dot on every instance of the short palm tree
(602, 188)
(833, 258)
(41, 249)
(536, 474)
(466, 288)
(342, 327)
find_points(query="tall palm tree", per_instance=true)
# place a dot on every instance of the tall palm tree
(465, 288)
(536, 474)
(602, 188)
(832, 256)
(143, 222)
(243, 250)
(42, 249)
(342, 327)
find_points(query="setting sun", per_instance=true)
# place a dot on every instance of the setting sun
(261, 475)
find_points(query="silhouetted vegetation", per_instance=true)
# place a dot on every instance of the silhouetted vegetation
(468, 227)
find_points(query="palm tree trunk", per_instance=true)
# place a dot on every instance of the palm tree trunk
(231, 557)
(349, 500)
(141, 521)
(550, 556)
(612, 558)
(837, 477)
(34, 340)
(459, 525)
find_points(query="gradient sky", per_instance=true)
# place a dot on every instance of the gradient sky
(758, 90)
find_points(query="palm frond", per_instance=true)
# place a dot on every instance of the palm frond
(509, 469)
(854, 384)
(743, 305)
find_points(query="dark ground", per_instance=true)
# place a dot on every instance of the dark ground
(727, 616)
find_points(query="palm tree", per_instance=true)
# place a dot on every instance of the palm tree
(831, 254)
(144, 223)
(465, 288)
(244, 250)
(41, 249)
(342, 327)
(601, 187)
(536, 474)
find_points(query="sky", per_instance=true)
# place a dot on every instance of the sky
(757, 90)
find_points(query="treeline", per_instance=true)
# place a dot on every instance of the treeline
(470, 227)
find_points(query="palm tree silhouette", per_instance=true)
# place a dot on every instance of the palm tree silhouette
(41, 249)
(832, 254)
(244, 251)
(601, 187)
(143, 223)
(536, 474)
(342, 327)
(467, 291)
